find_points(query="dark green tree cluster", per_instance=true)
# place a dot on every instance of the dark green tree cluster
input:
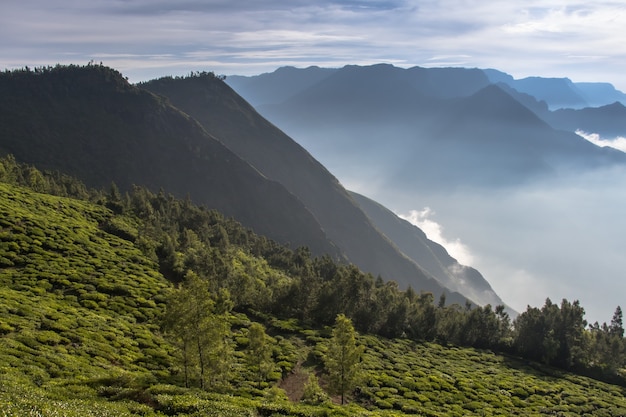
(553, 335)
(607, 345)
(48, 182)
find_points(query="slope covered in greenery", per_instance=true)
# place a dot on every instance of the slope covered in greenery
(230, 118)
(89, 291)
(89, 122)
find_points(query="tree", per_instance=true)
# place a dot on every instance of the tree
(617, 325)
(259, 352)
(179, 330)
(343, 357)
(199, 326)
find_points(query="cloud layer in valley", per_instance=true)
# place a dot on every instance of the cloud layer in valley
(564, 238)
(150, 38)
(618, 143)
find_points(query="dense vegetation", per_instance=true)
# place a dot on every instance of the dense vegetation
(142, 304)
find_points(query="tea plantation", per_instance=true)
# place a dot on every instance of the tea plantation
(82, 307)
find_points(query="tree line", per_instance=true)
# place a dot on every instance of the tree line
(198, 247)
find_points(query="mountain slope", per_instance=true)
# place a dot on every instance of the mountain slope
(431, 256)
(608, 121)
(90, 123)
(76, 302)
(560, 92)
(226, 115)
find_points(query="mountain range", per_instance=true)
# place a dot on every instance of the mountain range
(555, 93)
(195, 137)
(503, 167)
(436, 127)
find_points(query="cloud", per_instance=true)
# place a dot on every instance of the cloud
(618, 143)
(434, 231)
(542, 38)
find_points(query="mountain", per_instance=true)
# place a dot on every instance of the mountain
(381, 121)
(552, 99)
(277, 86)
(89, 122)
(286, 82)
(226, 115)
(560, 92)
(431, 256)
(608, 121)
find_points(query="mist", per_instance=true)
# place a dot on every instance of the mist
(558, 238)
(435, 232)
(618, 143)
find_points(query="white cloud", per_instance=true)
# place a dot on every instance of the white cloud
(618, 143)
(434, 231)
(545, 38)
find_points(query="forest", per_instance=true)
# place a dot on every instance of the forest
(233, 313)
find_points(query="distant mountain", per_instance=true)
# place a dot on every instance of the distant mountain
(286, 82)
(227, 116)
(560, 92)
(89, 122)
(608, 121)
(277, 86)
(549, 98)
(431, 256)
(383, 119)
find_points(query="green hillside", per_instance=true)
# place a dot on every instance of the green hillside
(91, 326)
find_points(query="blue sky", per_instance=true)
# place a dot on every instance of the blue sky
(149, 38)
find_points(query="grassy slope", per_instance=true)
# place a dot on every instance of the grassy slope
(79, 336)
(78, 305)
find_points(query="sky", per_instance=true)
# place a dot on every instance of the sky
(584, 41)
(146, 39)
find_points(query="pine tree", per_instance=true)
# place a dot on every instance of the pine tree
(617, 325)
(343, 357)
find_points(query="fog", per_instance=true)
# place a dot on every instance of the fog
(562, 237)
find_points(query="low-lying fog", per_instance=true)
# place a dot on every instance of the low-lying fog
(557, 237)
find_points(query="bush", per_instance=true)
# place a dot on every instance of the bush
(313, 393)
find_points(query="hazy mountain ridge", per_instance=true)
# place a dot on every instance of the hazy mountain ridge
(376, 117)
(560, 92)
(549, 94)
